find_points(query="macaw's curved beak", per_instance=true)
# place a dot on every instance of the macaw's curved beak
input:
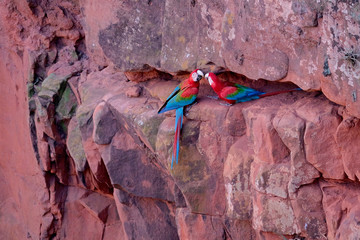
(200, 75)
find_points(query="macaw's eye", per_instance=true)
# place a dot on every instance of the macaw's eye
(200, 75)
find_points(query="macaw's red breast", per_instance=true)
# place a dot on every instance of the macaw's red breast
(189, 83)
(189, 92)
(190, 88)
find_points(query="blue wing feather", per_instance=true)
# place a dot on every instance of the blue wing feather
(176, 90)
(165, 106)
(175, 101)
(244, 94)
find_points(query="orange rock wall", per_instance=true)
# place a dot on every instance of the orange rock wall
(86, 156)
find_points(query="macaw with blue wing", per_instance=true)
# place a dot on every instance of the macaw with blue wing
(184, 94)
(235, 93)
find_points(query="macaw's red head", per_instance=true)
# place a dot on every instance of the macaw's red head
(212, 78)
(197, 75)
(214, 81)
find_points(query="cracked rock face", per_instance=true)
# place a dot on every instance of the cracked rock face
(86, 155)
(312, 44)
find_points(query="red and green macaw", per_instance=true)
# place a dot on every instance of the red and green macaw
(184, 94)
(235, 93)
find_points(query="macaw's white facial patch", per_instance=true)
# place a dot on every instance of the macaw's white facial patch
(209, 79)
(194, 76)
(211, 82)
(200, 73)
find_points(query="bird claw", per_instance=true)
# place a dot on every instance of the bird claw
(213, 97)
(226, 104)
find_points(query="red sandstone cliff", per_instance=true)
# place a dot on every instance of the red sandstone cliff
(84, 154)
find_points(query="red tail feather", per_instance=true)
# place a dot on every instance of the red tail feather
(277, 92)
(176, 138)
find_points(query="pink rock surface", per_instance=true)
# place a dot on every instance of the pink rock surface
(341, 216)
(104, 124)
(291, 129)
(24, 198)
(146, 218)
(346, 134)
(319, 139)
(274, 214)
(268, 146)
(195, 226)
(309, 210)
(237, 180)
(76, 216)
